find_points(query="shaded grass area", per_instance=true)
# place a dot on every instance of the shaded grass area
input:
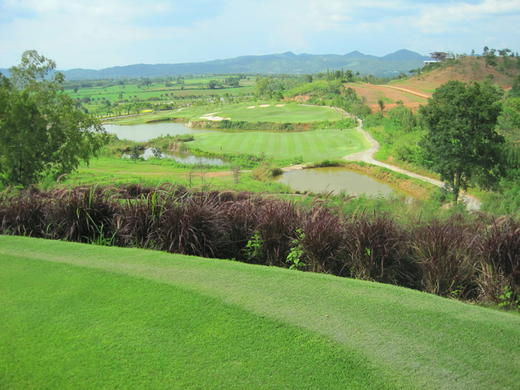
(72, 324)
(305, 146)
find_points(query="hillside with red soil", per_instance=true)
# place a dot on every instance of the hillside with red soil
(415, 91)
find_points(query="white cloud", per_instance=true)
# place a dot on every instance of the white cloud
(452, 16)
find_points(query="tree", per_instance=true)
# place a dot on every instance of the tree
(461, 144)
(509, 119)
(381, 104)
(43, 131)
(213, 84)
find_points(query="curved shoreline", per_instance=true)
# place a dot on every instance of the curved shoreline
(367, 156)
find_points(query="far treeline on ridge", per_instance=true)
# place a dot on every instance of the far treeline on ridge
(389, 65)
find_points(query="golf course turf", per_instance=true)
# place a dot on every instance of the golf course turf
(310, 146)
(85, 316)
(290, 112)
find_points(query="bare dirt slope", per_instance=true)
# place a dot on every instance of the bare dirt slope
(415, 91)
(389, 95)
(467, 70)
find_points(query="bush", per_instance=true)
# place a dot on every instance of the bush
(22, 215)
(444, 252)
(376, 249)
(277, 224)
(499, 255)
(323, 238)
(81, 215)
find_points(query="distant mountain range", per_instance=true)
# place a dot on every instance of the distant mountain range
(286, 63)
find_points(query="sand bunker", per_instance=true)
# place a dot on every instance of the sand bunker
(250, 107)
(212, 117)
(280, 105)
(264, 105)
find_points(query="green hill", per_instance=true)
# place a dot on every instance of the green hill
(76, 315)
(284, 63)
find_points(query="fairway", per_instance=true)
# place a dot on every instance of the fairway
(279, 112)
(76, 315)
(309, 146)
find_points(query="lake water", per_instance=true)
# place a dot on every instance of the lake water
(147, 131)
(335, 180)
(184, 158)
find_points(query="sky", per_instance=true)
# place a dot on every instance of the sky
(102, 33)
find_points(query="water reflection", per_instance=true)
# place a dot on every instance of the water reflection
(183, 158)
(147, 131)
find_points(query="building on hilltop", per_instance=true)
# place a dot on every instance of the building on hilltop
(436, 57)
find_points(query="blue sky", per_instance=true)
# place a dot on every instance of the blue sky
(101, 33)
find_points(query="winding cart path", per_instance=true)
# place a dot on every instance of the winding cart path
(367, 156)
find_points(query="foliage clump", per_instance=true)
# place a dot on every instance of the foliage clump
(461, 143)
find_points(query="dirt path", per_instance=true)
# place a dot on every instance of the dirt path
(420, 94)
(367, 156)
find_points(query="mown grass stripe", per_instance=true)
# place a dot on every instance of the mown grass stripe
(311, 145)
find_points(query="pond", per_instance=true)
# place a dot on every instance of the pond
(335, 180)
(184, 158)
(147, 131)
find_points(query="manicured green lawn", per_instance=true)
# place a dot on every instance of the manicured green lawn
(279, 112)
(310, 146)
(84, 316)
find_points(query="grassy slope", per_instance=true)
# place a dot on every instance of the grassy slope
(310, 145)
(202, 322)
(68, 327)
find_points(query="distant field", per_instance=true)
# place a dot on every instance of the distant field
(133, 95)
(156, 89)
(92, 317)
(310, 146)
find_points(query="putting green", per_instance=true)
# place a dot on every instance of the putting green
(279, 112)
(310, 146)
